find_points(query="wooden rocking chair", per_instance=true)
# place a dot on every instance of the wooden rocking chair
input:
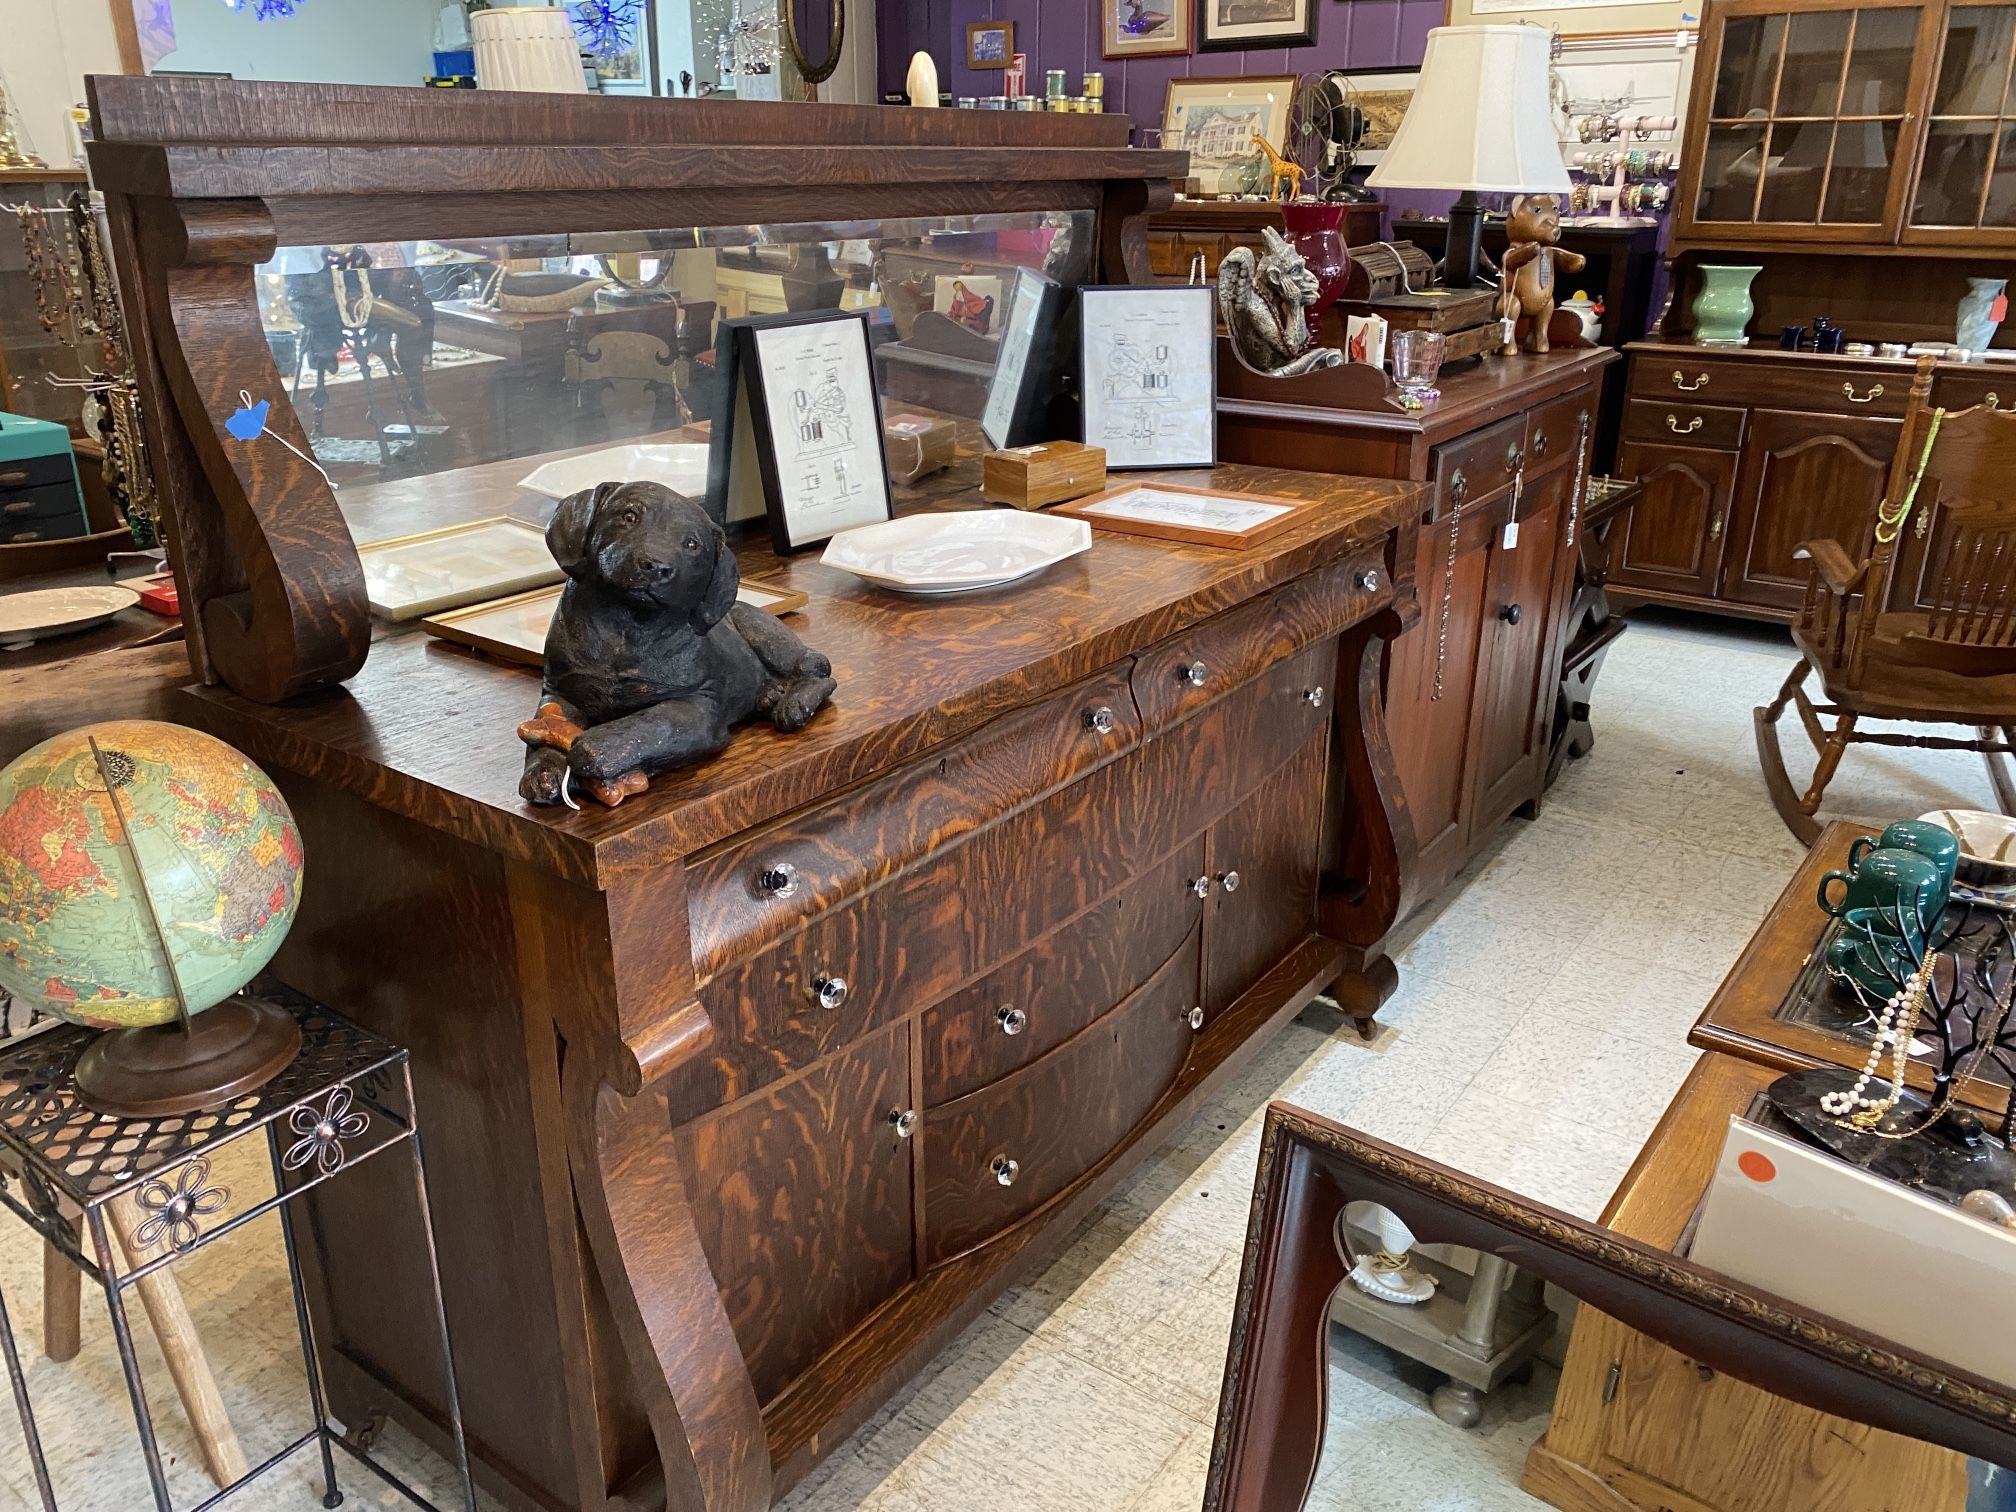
(1937, 646)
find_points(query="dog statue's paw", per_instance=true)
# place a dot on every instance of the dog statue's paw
(815, 664)
(544, 767)
(798, 701)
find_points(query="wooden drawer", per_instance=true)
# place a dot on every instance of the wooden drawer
(51, 513)
(1553, 429)
(755, 890)
(994, 1157)
(1191, 671)
(1051, 991)
(1790, 382)
(1674, 422)
(1994, 385)
(1478, 464)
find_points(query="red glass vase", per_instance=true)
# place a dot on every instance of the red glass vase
(1317, 232)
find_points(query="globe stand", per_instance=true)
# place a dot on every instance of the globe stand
(236, 1047)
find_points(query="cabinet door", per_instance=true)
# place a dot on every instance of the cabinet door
(1264, 864)
(1513, 702)
(1673, 534)
(1805, 477)
(1430, 730)
(1810, 120)
(1965, 194)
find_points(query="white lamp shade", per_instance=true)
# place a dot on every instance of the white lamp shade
(529, 48)
(1480, 117)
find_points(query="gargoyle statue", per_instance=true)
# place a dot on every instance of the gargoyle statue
(1262, 300)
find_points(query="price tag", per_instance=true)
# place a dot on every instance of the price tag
(1511, 537)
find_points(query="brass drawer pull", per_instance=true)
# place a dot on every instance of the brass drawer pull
(1012, 1020)
(1715, 529)
(1875, 392)
(1540, 444)
(904, 1121)
(1514, 458)
(1101, 721)
(1680, 382)
(1458, 486)
(829, 991)
(1005, 1170)
(1673, 424)
(1991, 399)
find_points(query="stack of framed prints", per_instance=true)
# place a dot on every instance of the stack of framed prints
(800, 439)
(1148, 366)
(514, 629)
(1215, 121)
(408, 576)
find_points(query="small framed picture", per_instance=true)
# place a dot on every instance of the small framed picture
(1199, 516)
(1025, 374)
(1232, 24)
(1144, 28)
(802, 444)
(990, 44)
(1148, 373)
(1215, 121)
(514, 629)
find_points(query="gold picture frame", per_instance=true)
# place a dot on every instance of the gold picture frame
(990, 44)
(408, 576)
(1214, 120)
(514, 629)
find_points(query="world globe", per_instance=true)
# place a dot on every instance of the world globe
(215, 842)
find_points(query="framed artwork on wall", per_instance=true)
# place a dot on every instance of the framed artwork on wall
(1578, 18)
(990, 44)
(1383, 94)
(1229, 24)
(1145, 28)
(1214, 120)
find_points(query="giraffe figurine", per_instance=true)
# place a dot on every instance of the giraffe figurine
(1279, 168)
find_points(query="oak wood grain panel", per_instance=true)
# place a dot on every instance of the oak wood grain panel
(802, 1198)
(1062, 983)
(1112, 1074)
(1676, 422)
(1270, 844)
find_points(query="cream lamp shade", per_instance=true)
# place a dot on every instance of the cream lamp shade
(529, 48)
(1480, 118)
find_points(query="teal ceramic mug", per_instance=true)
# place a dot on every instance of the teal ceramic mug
(1891, 880)
(1934, 842)
(1870, 957)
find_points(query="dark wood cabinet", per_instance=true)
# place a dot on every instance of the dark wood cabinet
(1673, 534)
(1804, 477)
(1520, 653)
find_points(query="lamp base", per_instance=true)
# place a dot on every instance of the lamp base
(1466, 242)
(234, 1048)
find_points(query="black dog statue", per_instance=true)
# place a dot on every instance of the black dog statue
(650, 661)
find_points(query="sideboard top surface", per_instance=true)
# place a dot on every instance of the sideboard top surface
(428, 730)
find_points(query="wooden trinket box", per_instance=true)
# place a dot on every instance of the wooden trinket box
(1030, 477)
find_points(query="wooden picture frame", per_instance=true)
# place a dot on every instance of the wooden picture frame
(1148, 374)
(1102, 511)
(514, 629)
(1233, 25)
(1579, 18)
(800, 400)
(1214, 118)
(1025, 372)
(1146, 28)
(1383, 95)
(990, 44)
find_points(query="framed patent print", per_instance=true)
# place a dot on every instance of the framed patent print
(1148, 373)
(1025, 372)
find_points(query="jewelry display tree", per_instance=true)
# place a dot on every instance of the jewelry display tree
(1621, 186)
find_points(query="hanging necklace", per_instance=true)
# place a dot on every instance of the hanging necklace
(1895, 1028)
(1984, 1041)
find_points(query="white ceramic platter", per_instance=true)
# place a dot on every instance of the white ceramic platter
(28, 617)
(681, 468)
(961, 551)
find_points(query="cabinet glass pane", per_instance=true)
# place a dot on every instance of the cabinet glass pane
(1797, 165)
(1810, 84)
(1729, 171)
(2002, 184)
(1748, 69)
(1879, 66)
(1860, 177)
(1949, 185)
(1974, 67)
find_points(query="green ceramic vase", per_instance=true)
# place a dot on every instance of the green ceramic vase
(1722, 309)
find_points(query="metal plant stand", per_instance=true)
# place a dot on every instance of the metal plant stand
(346, 1098)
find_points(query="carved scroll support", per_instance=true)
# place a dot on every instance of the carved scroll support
(273, 574)
(1123, 227)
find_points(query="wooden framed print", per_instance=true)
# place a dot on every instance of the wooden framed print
(802, 444)
(1215, 120)
(1580, 18)
(1199, 516)
(411, 575)
(990, 44)
(514, 629)
(1025, 373)
(1382, 95)
(1148, 373)
(1145, 28)
(1225, 25)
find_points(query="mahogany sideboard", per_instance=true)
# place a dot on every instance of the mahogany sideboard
(745, 1097)
(1472, 688)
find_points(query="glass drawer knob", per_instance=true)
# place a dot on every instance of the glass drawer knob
(1013, 1021)
(779, 881)
(1229, 880)
(1005, 1170)
(1313, 697)
(1101, 720)
(1195, 1017)
(1201, 887)
(904, 1121)
(1192, 673)
(830, 991)
(1369, 579)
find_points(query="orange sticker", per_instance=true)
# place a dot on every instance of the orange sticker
(1756, 1166)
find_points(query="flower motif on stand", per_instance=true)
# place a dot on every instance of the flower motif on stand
(607, 28)
(322, 1133)
(175, 1208)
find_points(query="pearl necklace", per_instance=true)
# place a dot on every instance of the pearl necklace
(1896, 1026)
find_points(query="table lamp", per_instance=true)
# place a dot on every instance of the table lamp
(1480, 122)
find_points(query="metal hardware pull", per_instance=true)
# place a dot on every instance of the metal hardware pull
(1673, 424)
(1192, 673)
(1991, 399)
(779, 881)
(1924, 524)
(1514, 458)
(1875, 392)
(828, 990)
(19, 475)
(1681, 383)
(1005, 1170)
(1510, 614)
(18, 506)
(1540, 444)
(904, 1120)
(1012, 1020)
(1458, 486)
(1369, 579)
(1313, 697)
(1101, 720)
(1715, 529)
(1229, 880)
(1201, 887)
(1195, 1017)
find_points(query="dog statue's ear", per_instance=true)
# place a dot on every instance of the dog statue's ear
(570, 533)
(720, 595)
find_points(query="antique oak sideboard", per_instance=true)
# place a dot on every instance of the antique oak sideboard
(743, 1098)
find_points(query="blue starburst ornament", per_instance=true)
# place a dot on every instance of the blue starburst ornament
(607, 28)
(264, 10)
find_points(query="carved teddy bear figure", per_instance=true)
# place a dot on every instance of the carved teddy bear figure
(1529, 266)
